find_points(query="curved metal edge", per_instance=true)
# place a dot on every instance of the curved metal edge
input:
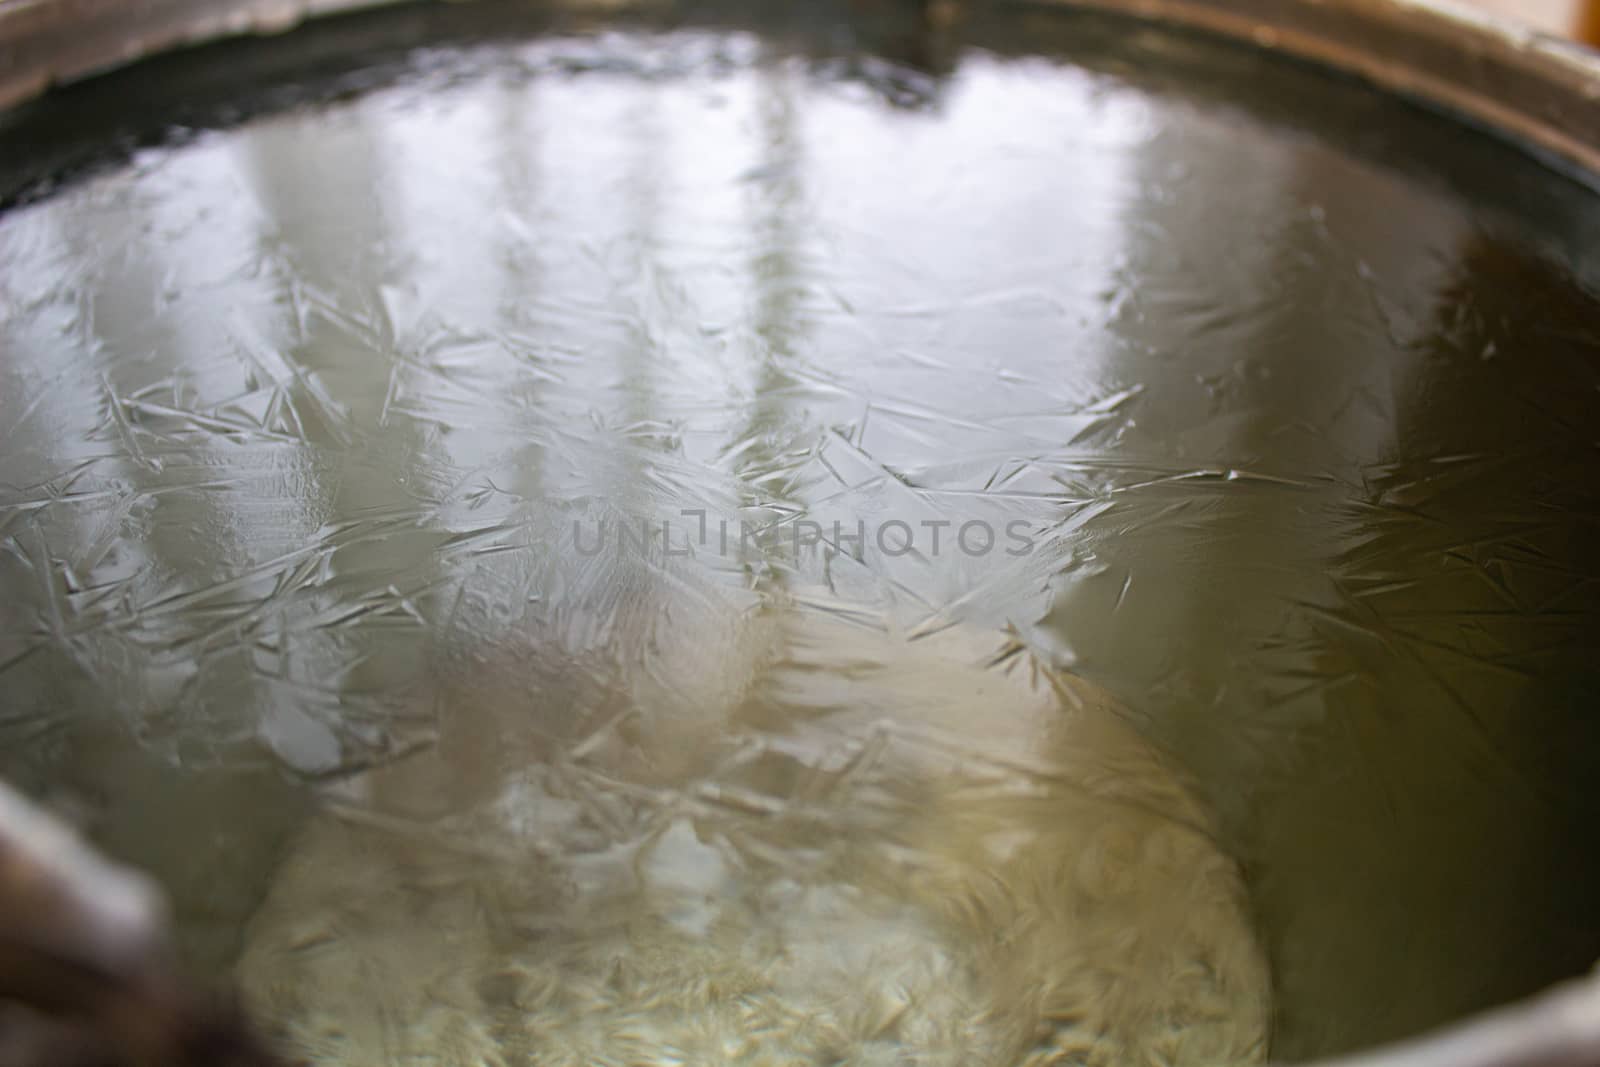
(1538, 90)
(52, 42)
(1535, 89)
(1558, 1028)
(114, 918)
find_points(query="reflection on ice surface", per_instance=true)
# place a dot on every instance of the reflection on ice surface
(864, 851)
(300, 420)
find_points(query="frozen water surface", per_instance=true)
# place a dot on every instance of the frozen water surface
(700, 546)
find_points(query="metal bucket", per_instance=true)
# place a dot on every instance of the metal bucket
(1438, 174)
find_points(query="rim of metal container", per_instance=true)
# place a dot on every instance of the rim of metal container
(1539, 91)
(1536, 89)
(1533, 88)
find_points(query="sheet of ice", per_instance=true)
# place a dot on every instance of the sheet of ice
(474, 456)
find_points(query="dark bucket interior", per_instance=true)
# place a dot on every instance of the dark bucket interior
(490, 499)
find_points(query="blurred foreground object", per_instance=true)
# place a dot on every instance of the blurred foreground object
(86, 978)
(86, 973)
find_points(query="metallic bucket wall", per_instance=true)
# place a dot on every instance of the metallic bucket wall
(1543, 91)
(1538, 92)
